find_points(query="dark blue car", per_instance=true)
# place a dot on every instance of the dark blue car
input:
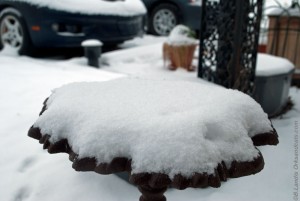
(164, 15)
(26, 26)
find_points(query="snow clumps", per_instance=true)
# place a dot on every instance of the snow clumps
(182, 35)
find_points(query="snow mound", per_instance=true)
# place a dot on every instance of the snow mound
(9, 51)
(170, 127)
(91, 43)
(93, 7)
(269, 65)
(181, 35)
(293, 12)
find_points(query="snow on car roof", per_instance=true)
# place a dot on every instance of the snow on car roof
(93, 7)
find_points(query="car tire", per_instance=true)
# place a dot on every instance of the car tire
(14, 32)
(163, 19)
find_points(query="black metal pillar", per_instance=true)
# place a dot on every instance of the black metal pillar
(229, 41)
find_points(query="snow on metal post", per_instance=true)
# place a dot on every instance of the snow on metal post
(92, 51)
(228, 42)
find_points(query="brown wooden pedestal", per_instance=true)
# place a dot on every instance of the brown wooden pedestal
(152, 194)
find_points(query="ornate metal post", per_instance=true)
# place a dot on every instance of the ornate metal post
(229, 41)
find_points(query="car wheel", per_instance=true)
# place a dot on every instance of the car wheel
(163, 19)
(13, 31)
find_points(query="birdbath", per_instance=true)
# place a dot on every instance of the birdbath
(163, 133)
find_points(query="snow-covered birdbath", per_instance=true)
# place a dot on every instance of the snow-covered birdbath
(158, 131)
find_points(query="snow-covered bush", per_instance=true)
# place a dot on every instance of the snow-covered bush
(182, 35)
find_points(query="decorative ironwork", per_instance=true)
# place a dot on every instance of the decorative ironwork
(229, 41)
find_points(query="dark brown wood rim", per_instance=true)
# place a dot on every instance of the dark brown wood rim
(159, 180)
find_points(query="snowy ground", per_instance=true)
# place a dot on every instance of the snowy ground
(27, 173)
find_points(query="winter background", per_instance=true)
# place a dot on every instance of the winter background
(28, 173)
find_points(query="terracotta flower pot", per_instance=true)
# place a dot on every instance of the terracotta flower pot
(179, 56)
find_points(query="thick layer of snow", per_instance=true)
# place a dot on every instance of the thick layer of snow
(180, 36)
(148, 120)
(196, 2)
(29, 173)
(92, 7)
(295, 12)
(269, 65)
(135, 65)
(269, 4)
(146, 62)
(91, 43)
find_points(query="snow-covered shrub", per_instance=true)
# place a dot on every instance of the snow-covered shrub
(182, 35)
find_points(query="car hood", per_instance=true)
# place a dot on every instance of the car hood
(92, 7)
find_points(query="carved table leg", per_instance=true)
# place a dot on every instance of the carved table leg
(152, 194)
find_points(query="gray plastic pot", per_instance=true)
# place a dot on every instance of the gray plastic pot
(272, 92)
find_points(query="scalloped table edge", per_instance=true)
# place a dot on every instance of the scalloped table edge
(153, 185)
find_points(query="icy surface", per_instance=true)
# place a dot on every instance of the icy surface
(269, 65)
(149, 121)
(180, 36)
(93, 7)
